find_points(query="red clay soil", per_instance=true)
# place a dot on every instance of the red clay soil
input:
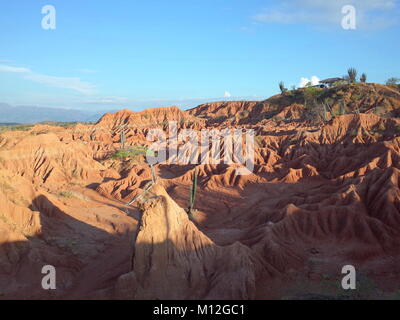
(321, 196)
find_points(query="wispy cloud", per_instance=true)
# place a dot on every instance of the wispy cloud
(375, 14)
(5, 61)
(4, 68)
(72, 83)
(107, 100)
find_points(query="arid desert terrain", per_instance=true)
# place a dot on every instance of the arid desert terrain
(324, 193)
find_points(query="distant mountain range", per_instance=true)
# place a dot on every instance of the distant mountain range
(30, 114)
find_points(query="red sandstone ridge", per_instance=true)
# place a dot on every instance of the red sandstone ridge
(324, 193)
(145, 118)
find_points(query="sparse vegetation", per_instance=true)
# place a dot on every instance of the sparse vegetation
(72, 194)
(346, 79)
(324, 112)
(342, 108)
(316, 115)
(392, 81)
(363, 78)
(123, 139)
(295, 94)
(310, 96)
(63, 124)
(282, 87)
(327, 105)
(340, 83)
(132, 153)
(352, 74)
(358, 98)
(66, 194)
(18, 127)
(26, 127)
(122, 154)
(291, 94)
(193, 191)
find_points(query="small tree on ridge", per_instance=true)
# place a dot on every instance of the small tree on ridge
(352, 72)
(363, 78)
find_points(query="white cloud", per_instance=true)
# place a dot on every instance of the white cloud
(227, 94)
(72, 83)
(108, 100)
(4, 68)
(370, 13)
(63, 82)
(304, 81)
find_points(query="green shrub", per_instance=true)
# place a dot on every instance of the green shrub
(66, 194)
(310, 96)
(27, 127)
(19, 127)
(312, 92)
(291, 94)
(132, 153)
(120, 154)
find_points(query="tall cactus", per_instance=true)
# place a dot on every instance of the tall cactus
(123, 139)
(342, 109)
(324, 112)
(153, 174)
(193, 191)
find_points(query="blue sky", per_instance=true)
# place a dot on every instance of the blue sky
(136, 54)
